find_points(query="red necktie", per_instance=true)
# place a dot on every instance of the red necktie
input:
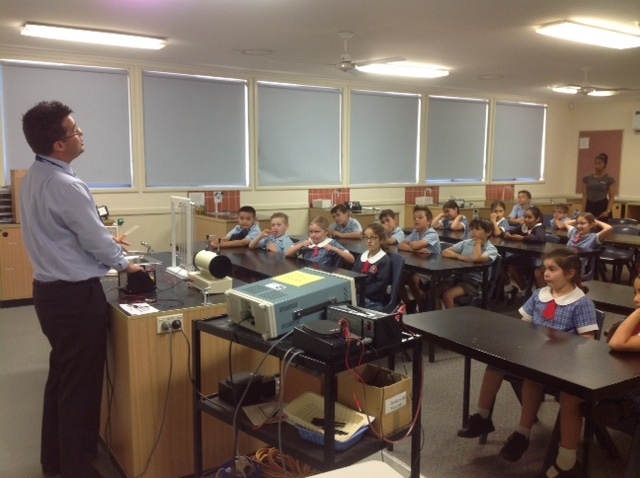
(365, 267)
(550, 312)
(315, 251)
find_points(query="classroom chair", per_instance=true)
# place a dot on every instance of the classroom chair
(492, 290)
(618, 257)
(397, 267)
(623, 221)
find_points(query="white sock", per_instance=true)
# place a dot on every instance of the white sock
(523, 431)
(483, 412)
(565, 461)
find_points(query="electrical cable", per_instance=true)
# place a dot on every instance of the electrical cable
(165, 408)
(270, 459)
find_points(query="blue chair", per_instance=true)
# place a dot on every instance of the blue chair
(397, 266)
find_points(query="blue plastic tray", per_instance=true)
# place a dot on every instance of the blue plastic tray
(318, 438)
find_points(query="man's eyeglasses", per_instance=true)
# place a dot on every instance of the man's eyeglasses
(370, 238)
(76, 132)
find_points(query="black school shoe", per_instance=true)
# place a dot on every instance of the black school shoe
(476, 426)
(574, 472)
(515, 447)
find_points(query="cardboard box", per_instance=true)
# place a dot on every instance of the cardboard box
(16, 181)
(388, 396)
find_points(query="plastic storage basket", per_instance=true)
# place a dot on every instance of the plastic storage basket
(308, 406)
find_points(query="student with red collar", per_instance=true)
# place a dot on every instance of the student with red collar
(561, 305)
(320, 247)
(376, 264)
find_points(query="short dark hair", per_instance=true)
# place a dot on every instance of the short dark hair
(524, 191)
(426, 210)
(563, 207)
(339, 208)
(451, 204)
(604, 157)
(248, 209)
(495, 204)
(42, 125)
(481, 223)
(387, 213)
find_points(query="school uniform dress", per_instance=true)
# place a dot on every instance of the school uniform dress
(589, 241)
(474, 278)
(317, 253)
(398, 234)
(282, 243)
(446, 222)
(238, 233)
(378, 271)
(352, 226)
(573, 312)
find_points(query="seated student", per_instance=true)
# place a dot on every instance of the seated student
(476, 249)
(276, 238)
(450, 218)
(514, 265)
(582, 233)
(320, 247)
(344, 227)
(560, 217)
(241, 235)
(376, 264)
(423, 240)
(500, 223)
(561, 305)
(393, 233)
(516, 216)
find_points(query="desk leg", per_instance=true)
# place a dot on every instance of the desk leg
(417, 374)
(466, 391)
(485, 287)
(588, 438)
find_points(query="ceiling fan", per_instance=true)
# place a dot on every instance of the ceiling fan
(347, 64)
(586, 88)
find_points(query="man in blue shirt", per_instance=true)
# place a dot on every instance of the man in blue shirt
(70, 250)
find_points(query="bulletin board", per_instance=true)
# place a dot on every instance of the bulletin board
(590, 145)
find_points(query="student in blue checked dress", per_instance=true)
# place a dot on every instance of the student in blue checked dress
(320, 247)
(561, 305)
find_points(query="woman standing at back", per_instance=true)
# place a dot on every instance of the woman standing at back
(598, 189)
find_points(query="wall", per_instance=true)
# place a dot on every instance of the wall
(150, 209)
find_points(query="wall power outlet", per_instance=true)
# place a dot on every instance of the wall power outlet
(166, 319)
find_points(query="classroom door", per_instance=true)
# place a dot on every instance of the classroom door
(590, 145)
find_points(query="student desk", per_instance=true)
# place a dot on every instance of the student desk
(556, 359)
(140, 364)
(622, 240)
(616, 298)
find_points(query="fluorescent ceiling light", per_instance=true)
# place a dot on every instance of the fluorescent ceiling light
(396, 69)
(93, 36)
(603, 93)
(565, 89)
(590, 35)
